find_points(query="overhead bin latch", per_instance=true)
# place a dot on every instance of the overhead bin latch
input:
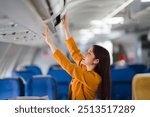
(54, 21)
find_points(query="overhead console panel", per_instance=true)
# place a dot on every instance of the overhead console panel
(24, 19)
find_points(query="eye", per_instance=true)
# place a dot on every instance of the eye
(89, 53)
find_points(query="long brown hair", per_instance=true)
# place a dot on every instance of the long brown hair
(103, 69)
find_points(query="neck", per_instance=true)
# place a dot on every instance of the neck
(90, 67)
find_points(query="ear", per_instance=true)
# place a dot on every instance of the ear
(96, 61)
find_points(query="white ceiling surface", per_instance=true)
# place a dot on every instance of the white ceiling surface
(82, 12)
(28, 23)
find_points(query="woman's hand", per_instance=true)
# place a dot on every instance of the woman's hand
(46, 35)
(65, 25)
(65, 22)
(48, 40)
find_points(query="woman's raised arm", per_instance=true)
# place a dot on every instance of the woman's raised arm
(66, 27)
(48, 40)
(71, 45)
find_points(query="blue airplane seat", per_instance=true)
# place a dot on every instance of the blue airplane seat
(55, 66)
(63, 80)
(42, 86)
(35, 69)
(112, 66)
(11, 88)
(24, 75)
(147, 70)
(121, 83)
(62, 91)
(138, 68)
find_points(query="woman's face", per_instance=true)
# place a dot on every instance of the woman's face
(88, 57)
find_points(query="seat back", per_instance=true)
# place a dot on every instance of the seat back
(138, 68)
(141, 87)
(55, 67)
(42, 86)
(63, 80)
(147, 70)
(11, 88)
(34, 69)
(25, 75)
(121, 83)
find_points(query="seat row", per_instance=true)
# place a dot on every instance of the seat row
(137, 68)
(61, 78)
(37, 87)
(31, 82)
(122, 79)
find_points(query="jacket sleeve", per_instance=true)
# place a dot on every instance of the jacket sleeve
(83, 76)
(74, 51)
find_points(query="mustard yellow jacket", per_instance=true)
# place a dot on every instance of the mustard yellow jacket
(84, 84)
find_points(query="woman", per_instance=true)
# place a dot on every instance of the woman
(90, 75)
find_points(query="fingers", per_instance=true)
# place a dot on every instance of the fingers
(46, 35)
(46, 29)
(45, 38)
(62, 21)
(43, 34)
(65, 17)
